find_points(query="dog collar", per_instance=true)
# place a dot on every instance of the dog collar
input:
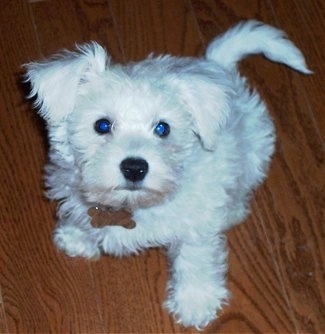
(103, 216)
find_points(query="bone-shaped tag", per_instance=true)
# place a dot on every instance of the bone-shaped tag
(101, 218)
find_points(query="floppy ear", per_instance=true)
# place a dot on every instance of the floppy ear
(55, 81)
(209, 104)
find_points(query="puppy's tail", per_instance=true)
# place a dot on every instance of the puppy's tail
(253, 37)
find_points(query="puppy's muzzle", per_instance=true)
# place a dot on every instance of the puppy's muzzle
(134, 169)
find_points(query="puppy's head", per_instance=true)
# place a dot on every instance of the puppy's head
(129, 132)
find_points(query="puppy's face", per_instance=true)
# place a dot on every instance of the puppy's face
(127, 132)
(130, 139)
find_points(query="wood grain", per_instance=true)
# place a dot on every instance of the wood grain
(3, 318)
(159, 26)
(276, 259)
(62, 24)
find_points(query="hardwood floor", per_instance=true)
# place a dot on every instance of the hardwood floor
(277, 258)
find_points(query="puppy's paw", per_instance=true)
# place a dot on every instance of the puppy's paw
(76, 242)
(196, 305)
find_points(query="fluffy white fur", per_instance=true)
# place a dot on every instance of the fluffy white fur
(200, 176)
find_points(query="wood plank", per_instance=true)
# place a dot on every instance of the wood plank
(3, 317)
(296, 172)
(131, 291)
(41, 291)
(303, 168)
(304, 22)
(61, 24)
(158, 26)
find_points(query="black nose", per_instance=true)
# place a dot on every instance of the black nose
(134, 169)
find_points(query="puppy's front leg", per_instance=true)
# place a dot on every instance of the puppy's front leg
(197, 288)
(120, 241)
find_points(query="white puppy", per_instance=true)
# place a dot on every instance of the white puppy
(179, 142)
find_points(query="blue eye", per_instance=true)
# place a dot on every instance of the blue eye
(103, 126)
(162, 129)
